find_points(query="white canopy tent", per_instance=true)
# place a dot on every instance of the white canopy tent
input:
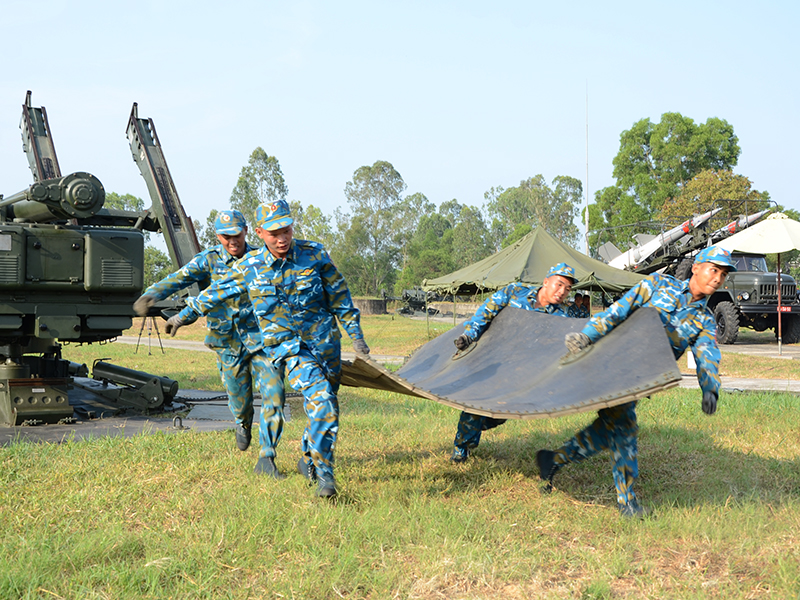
(775, 234)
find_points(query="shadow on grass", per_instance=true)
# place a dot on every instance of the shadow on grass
(677, 467)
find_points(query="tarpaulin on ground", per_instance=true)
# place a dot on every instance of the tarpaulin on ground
(518, 368)
(528, 261)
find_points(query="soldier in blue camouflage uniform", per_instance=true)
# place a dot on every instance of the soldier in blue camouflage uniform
(297, 294)
(546, 299)
(688, 323)
(582, 311)
(232, 328)
(576, 310)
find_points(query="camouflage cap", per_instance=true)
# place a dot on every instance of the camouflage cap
(564, 270)
(718, 256)
(229, 222)
(274, 215)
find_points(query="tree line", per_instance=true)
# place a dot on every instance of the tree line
(387, 240)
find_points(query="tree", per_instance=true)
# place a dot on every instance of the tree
(298, 214)
(470, 237)
(368, 253)
(260, 181)
(430, 252)
(534, 204)
(654, 163)
(157, 265)
(408, 213)
(733, 193)
(124, 202)
(443, 242)
(207, 235)
(317, 227)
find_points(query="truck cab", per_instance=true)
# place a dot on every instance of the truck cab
(749, 298)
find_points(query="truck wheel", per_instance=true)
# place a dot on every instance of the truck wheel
(727, 322)
(684, 269)
(791, 329)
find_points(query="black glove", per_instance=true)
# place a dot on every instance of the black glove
(462, 342)
(576, 341)
(143, 305)
(173, 324)
(709, 403)
(360, 346)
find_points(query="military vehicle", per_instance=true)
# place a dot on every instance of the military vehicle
(749, 297)
(415, 302)
(70, 270)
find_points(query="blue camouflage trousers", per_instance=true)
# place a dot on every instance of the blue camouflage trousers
(614, 429)
(240, 371)
(319, 387)
(470, 427)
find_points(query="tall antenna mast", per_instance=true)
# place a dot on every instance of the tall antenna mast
(586, 212)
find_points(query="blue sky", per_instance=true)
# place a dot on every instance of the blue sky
(458, 96)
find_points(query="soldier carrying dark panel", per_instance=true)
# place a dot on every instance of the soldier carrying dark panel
(547, 299)
(297, 294)
(688, 323)
(232, 328)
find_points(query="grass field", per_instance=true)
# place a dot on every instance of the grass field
(183, 516)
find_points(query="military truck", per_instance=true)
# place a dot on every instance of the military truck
(70, 270)
(749, 298)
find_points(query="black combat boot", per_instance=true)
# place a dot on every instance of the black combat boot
(326, 487)
(243, 437)
(306, 469)
(547, 467)
(266, 466)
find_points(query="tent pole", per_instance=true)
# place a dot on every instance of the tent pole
(427, 316)
(454, 309)
(780, 314)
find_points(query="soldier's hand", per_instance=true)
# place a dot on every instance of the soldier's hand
(462, 342)
(173, 324)
(576, 341)
(709, 403)
(360, 346)
(143, 305)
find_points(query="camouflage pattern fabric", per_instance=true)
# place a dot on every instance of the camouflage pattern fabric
(516, 295)
(231, 324)
(578, 312)
(240, 373)
(688, 323)
(296, 301)
(614, 428)
(232, 329)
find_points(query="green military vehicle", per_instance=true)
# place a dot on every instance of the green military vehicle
(749, 298)
(70, 270)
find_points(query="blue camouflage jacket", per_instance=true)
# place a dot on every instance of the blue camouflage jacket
(295, 300)
(516, 295)
(688, 323)
(231, 324)
(578, 312)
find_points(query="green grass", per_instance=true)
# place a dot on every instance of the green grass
(183, 516)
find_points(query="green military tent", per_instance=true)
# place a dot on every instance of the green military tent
(528, 261)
